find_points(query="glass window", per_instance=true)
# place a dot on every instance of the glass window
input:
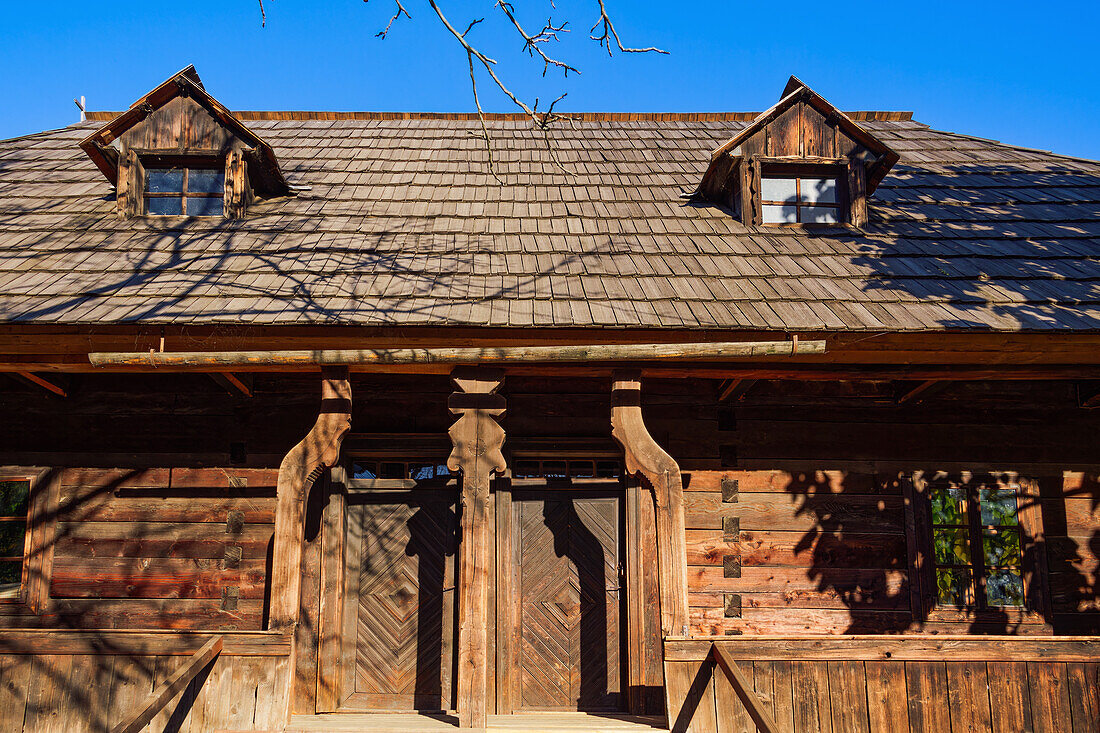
(976, 545)
(183, 191)
(14, 502)
(799, 200)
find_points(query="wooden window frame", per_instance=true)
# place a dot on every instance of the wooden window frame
(34, 589)
(187, 163)
(799, 171)
(921, 553)
(850, 176)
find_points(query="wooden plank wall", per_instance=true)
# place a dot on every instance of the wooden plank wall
(862, 696)
(160, 548)
(791, 552)
(1071, 516)
(63, 693)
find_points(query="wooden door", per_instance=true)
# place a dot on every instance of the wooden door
(566, 555)
(399, 614)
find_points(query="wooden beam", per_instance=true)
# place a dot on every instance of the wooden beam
(745, 691)
(493, 355)
(643, 455)
(477, 440)
(172, 686)
(43, 383)
(736, 389)
(234, 384)
(1088, 395)
(301, 467)
(140, 643)
(914, 395)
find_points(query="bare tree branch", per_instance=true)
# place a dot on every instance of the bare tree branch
(400, 11)
(609, 32)
(531, 43)
(263, 15)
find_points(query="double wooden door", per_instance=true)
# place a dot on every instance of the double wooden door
(558, 596)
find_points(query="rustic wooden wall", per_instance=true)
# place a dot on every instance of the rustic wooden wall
(67, 693)
(1071, 515)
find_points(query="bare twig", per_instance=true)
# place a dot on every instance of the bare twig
(399, 12)
(609, 33)
(531, 43)
(263, 15)
(481, 116)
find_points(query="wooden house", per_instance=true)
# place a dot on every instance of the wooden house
(776, 421)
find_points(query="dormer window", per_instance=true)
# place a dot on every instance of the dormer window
(813, 198)
(178, 152)
(801, 163)
(184, 188)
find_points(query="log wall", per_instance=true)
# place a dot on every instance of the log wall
(59, 691)
(863, 685)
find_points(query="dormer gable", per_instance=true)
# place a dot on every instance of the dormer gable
(177, 151)
(802, 162)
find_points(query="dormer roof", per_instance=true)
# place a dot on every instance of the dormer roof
(876, 155)
(103, 145)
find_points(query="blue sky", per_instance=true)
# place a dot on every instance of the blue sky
(1002, 70)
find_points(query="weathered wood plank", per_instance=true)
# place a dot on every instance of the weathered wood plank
(1009, 697)
(1050, 706)
(887, 697)
(1084, 695)
(133, 721)
(743, 686)
(968, 692)
(929, 707)
(848, 690)
(140, 643)
(689, 689)
(812, 706)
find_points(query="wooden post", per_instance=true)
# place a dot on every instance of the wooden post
(303, 465)
(477, 439)
(643, 455)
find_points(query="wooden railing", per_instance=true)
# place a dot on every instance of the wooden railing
(172, 686)
(900, 684)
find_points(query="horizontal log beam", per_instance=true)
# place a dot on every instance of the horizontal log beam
(897, 648)
(497, 355)
(108, 642)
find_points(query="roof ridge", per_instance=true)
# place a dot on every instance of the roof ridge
(254, 115)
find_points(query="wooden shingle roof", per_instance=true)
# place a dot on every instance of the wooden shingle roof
(402, 224)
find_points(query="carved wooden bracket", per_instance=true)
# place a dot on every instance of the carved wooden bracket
(477, 440)
(643, 455)
(303, 465)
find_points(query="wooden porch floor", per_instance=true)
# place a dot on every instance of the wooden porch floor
(428, 723)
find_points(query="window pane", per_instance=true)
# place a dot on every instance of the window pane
(392, 470)
(553, 469)
(204, 180)
(421, 472)
(11, 538)
(953, 587)
(164, 180)
(364, 470)
(1004, 588)
(581, 469)
(1002, 546)
(526, 469)
(818, 215)
(952, 546)
(442, 470)
(607, 469)
(211, 206)
(998, 506)
(949, 506)
(819, 190)
(14, 497)
(779, 214)
(779, 189)
(164, 206)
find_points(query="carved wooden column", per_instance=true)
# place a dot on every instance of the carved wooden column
(643, 455)
(477, 440)
(320, 449)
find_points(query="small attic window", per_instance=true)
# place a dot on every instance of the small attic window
(184, 188)
(807, 198)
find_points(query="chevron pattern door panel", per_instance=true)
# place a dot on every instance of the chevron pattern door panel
(569, 641)
(405, 606)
